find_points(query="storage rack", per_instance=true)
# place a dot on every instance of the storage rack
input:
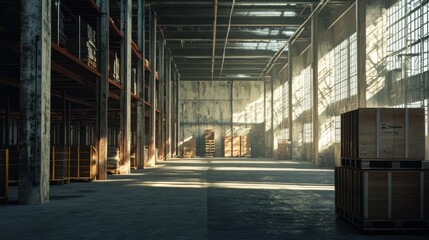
(75, 75)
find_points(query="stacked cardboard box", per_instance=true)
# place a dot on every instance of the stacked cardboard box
(84, 45)
(383, 182)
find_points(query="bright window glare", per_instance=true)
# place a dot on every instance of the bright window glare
(260, 14)
(270, 45)
(288, 33)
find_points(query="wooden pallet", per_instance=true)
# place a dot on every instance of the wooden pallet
(82, 179)
(384, 163)
(59, 181)
(384, 224)
(91, 63)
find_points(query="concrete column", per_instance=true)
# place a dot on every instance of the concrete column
(125, 146)
(315, 68)
(268, 88)
(103, 91)
(289, 78)
(361, 53)
(176, 112)
(161, 100)
(271, 141)
(168, 108)
(152, 50)
(140, 84)
(232, 117)
(35, 102)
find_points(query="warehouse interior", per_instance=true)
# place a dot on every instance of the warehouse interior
(238, 117)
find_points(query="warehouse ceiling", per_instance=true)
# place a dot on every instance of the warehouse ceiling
(233, 40)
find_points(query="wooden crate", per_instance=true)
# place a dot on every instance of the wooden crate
(4, 185)
(240, 146)
(59, 164)
(376, 198)
(83, 163)
(383, 133)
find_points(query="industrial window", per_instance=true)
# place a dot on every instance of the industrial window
(345, 69)
(297, 95)
(408, 37)
(308, 89)
(285, 100)
(338, 129)
(302, 88)
(308, 133)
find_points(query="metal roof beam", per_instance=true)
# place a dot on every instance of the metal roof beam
(236, 21)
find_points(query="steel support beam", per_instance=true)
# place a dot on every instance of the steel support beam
(177, 123)
(35, 102)
(140, 85)
(361, 53)
(102, 90)
(125, 146)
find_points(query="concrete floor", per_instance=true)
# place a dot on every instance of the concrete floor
(192, 199)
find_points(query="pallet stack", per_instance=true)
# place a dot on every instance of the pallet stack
(4, 185)
(190, 148)
(209, 141)
(83, 163)
(114, 67)
(84, 46)
(383, 182)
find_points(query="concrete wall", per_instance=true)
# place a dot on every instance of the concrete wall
(384, 86)
(209, 105)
